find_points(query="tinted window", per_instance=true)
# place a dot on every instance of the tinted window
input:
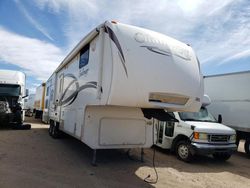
(202, 115)
(84, 56)
(10, 90)
(46, 103)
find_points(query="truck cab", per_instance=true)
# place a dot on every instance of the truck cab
(196, 133)
(12, 94)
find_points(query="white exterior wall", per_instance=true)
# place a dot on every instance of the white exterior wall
(71, 115)
(174, 72)
(230, 95)
(39, 97)
(30, 102)
(116, 127)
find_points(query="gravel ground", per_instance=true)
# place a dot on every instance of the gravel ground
(30, 158)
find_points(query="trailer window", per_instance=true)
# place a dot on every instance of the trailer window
(84, 56)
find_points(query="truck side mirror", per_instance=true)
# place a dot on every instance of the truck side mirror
(26, 93)
(219, 118)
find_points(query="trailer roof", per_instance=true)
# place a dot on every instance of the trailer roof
(226, 74)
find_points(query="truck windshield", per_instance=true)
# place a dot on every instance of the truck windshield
(202, 115)
(10, 90)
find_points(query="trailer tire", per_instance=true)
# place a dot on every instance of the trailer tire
(51, 127)
(55, 131)
(183, 151)
(247, 146)
(222, 156)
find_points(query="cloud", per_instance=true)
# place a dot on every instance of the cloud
(216, 29)
(38, 26)
(37, 58)
(224, 34)
(239, 55)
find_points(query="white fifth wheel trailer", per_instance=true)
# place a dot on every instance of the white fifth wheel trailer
(109, 88)
(230, 95)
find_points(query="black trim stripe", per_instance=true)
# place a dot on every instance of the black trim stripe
(114, 38)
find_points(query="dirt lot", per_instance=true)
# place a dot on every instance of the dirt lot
(30, 158)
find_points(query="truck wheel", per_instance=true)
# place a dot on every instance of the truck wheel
(222, 156)
(183, 151)
(247, 146)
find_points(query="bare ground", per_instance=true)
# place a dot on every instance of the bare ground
(30, 158)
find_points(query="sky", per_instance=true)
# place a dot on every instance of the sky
(35, 35)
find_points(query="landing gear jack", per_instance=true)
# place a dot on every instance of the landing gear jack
(142, 155)
(94, 158)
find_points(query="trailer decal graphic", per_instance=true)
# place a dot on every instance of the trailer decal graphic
(182, 54)
(70, 99)
(114, 38)
(158, 50)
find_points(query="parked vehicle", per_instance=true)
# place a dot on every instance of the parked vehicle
(196, 133)
(230, 95)
(48, 99)
(39, 101)
(29, 105)
(12, 94)
(107, 91)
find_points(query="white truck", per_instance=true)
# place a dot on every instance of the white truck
(39, 103)
(230, 95)
(29, 105)
(12, 94)
(119, 77)
(196, 133)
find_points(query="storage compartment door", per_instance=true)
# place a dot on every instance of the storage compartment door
(121, 131)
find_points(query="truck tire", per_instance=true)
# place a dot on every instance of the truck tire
(222, 156)
(247, 146)
(183, 151)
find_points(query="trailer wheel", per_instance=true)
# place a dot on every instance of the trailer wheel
(183, 151)
(51, 127)
(55, 131)
(222, 156)
(247, 146)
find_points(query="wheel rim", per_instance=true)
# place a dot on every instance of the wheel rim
(183, 151)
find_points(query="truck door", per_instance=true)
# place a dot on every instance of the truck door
(165, 133)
